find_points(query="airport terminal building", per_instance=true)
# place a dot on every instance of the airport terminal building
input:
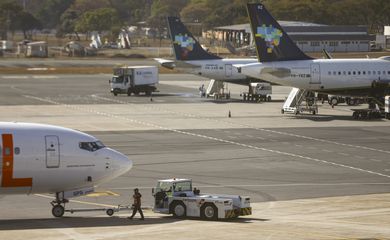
(310, 37)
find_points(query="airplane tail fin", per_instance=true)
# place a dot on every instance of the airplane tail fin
(186, 47)
(272, 42)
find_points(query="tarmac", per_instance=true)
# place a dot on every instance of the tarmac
(322, 176)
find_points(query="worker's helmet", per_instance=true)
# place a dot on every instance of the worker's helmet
(136, 190)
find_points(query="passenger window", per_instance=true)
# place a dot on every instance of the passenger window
(344, 73)
(329, 73)
(354, 73)
(384, 72)
(358, 72)
(388, 72)
(17, 151)
(379, 72)
(349, 73)
(369, 72)
(334, 73)
(339, 73)
(364, 72)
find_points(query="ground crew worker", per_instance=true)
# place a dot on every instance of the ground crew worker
(137, 204)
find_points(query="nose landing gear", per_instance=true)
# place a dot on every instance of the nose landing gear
(58, 204)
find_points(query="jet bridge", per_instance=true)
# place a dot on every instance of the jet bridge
(294, 102)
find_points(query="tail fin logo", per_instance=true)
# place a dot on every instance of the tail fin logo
(270, 35)
(185, 41)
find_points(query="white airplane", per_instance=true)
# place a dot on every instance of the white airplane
(192, 58)
(38, 158)
(282, 62)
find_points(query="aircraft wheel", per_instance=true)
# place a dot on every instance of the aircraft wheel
(269, 98)
(58, 211)
(110, 212)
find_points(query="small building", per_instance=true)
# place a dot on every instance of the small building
(310, 37)
(37, 49)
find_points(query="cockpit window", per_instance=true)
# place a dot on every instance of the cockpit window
(91, 146)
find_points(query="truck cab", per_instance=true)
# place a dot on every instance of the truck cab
(177, 197)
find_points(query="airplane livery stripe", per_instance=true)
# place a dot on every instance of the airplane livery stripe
(8, 165)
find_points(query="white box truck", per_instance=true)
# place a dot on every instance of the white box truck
(176, 196)
(134, 80)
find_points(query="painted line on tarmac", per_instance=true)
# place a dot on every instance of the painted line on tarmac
(85, 109)
(14, 77)
(249, 126)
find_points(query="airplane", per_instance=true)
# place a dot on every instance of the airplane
(282, 62)
(40, 158)
(192, 58)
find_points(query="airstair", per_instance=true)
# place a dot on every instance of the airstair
(300, 100)
(217, 90)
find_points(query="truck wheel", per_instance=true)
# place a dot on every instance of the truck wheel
(128, 92)
(115, 94)
(58, 211)
(334, 101)
(179, 210)
(209, 211)
(269, 98)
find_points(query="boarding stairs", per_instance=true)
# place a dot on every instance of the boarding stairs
(216, 90)
(294, 102)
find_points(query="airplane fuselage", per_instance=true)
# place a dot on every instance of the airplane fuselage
(355, 77)
(218, 69)
(37, 158)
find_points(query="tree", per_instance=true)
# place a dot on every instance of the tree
(50, 11)
(101, 19)
(8, 14)
(67, 23)
(26, 22)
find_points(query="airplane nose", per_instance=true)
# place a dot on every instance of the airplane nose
(120, 162)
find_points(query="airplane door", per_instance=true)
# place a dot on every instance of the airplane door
(315, 74)
(228, 70)
(52, 151)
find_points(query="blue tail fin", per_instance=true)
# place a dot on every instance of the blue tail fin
(272, 42)
(186, 47)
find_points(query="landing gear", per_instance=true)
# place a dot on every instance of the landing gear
(58, 204)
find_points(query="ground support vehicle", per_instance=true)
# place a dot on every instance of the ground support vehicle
(109, 211)
(216, 90)
(387, 107)
(176, 196)
(134, 80)
(258, 92)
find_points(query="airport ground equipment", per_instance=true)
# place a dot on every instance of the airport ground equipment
(109, 211)
(217, 90)
(387, 107)
(294, 102)
(134, 80)
(176, 196)
(258, 92)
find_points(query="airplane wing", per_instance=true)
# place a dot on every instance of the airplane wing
(171, 64)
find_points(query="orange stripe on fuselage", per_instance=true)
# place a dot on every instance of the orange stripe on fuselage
(8, 165)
